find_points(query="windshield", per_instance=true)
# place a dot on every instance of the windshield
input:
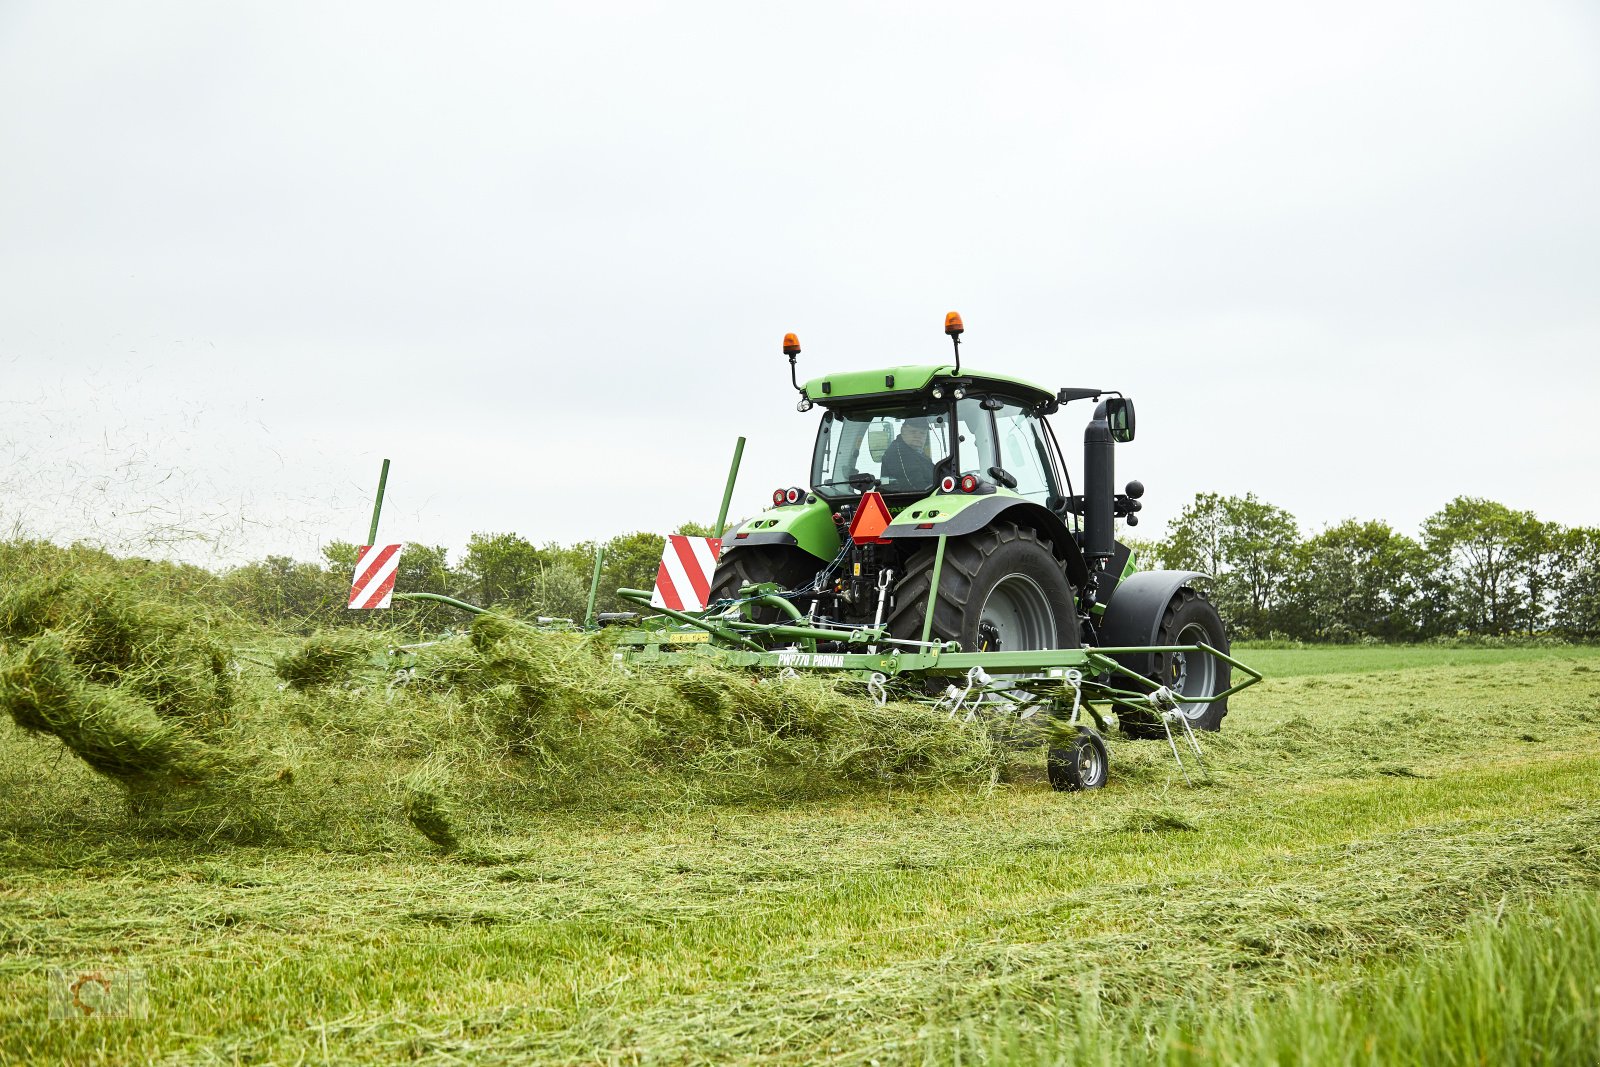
(896, 450)
(907, 449)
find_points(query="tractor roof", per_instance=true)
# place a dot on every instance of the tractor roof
(889, 383)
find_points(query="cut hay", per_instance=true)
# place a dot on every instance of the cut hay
(126, 683)
(427, 810)
(116, 636)
(111, 729)
(585, 724)
(524, 719)
(330, 658)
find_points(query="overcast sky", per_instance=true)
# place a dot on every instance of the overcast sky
(1346, 256)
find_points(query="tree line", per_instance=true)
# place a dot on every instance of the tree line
(1478, 568)
(498, 570)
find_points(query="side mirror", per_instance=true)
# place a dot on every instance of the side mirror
(1119, 417)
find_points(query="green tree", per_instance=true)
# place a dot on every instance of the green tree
(631, 563)
(1353, 580)
(503, 570)
(1194, 539)
(1258, 544)
(1246, 545)
(287, 592)
(1576, 586)
(1148, 551)
(1490, 562)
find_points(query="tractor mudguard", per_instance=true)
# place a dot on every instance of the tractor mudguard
(807, 526)
(962, 514)
(1133, 617)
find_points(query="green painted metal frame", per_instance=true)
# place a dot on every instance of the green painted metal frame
(730, 642)
(377, 504)
(727, 491)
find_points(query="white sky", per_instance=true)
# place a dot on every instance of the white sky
(1344, 255)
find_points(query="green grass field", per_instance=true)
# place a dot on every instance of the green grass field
(1396, 860)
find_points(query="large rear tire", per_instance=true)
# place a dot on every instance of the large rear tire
(1189, 619)
(738, 567)
(1000, 589)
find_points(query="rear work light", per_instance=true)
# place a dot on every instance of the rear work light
(969, 483)
(948, 485)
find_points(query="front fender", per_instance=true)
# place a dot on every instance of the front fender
(1133, 617)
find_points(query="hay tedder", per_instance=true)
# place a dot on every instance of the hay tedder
(939, 552)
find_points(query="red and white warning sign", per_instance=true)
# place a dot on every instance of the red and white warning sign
(872, 518)
(373, 586)
(683, 582)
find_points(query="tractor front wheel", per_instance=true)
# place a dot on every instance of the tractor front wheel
(1189, 619)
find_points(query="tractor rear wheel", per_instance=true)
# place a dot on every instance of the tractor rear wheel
(1000, 589)
(1189, 619)
(738, 567)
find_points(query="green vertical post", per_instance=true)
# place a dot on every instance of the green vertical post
(377, 505)
(594, 584)
(727, 493)
(933, 588)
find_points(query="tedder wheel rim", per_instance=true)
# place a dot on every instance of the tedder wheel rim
(1192, 674)
(1091, 763)
(1080, 763)
(1020, 614)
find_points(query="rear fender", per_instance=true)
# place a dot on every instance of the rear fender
(1133, 617)
(970, 514)
(808, 527)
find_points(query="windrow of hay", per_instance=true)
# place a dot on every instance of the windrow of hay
(144, 694)
(583, 725)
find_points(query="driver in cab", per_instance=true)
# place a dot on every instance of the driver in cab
(906, 460)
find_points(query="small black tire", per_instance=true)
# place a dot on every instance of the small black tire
(1001, 586)
(1079, 764)
(739, 567)
(1189, 619)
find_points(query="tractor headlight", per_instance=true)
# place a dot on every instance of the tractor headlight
(804, 405)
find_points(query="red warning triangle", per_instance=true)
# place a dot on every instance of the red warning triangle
(871, 519)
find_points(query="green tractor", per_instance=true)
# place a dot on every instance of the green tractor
(913, 457)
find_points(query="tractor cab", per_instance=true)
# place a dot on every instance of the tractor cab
(973, 434)
(941, 454)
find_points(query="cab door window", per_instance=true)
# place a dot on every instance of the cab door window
(1024, 453)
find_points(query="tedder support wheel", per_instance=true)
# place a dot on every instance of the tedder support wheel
(1001, 589)
(1189, 619)
(738, 567)
(1080, 763)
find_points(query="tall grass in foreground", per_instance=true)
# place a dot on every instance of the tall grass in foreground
(1524, 989)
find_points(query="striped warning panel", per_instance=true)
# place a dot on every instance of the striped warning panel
(683, 581)
(376, 567)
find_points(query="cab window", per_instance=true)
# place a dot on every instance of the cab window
(901, 449)
(1024, 453)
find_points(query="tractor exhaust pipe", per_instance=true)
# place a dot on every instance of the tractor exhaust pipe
(1099, 496)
